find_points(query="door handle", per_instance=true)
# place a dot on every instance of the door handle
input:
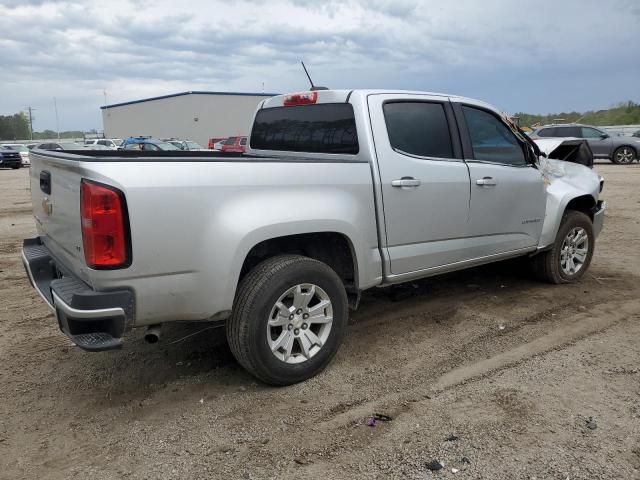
(486, 182)
(405, 182)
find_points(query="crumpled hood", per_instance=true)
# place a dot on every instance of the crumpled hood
(548, 145)
(574, 150)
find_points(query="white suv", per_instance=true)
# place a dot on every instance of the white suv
(112, 143)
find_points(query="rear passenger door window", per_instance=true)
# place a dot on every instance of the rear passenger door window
(547, 132)
(418, 128)
(570, 132)
(591, 132)
(491, 139)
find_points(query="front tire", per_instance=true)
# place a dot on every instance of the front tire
(288, 320)
(571, 253)
(624, 156)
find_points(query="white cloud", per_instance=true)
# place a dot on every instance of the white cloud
(537, 56)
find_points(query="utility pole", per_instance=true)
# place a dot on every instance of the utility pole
(106, 114)
(30, 123)
(55, 106)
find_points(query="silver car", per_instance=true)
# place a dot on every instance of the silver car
(618, 149)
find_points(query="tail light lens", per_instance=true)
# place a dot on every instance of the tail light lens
(305, 98)
(105, 226)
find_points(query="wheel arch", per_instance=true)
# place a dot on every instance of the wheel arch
(332, 247)
(583, 203)
(626, 145)
(556, 208)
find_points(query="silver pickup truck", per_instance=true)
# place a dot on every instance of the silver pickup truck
(339, 192)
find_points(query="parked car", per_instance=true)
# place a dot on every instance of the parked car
(110, 143)
(186, 145)
(22, 149)
(146, 143)
(97, 146)
(340, 191)
(216, 143)
(618, 149)
(60, 145)
(234, 145)
(10, 158)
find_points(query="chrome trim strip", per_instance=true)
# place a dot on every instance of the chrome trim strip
(75, 313)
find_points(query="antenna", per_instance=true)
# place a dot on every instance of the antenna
(313, 87)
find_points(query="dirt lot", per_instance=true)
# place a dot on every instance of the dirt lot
(487, 371)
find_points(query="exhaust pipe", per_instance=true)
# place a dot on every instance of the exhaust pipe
(152, 335)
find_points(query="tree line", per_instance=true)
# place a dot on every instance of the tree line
(624, 113)
(16, 127)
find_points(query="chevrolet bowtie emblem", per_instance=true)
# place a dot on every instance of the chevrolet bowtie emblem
(47, 207)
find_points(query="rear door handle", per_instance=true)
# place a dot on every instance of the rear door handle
(405, 182)
(486, 182)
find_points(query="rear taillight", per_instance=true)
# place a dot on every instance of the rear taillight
(305, 98)
(105, 228)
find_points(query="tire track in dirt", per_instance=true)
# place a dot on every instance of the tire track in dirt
(573, 329)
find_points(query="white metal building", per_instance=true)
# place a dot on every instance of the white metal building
(196, 116)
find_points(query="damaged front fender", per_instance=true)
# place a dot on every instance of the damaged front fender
(567, 183)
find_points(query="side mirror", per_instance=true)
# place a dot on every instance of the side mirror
(604, 135)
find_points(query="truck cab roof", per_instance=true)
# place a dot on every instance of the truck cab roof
(344, 96)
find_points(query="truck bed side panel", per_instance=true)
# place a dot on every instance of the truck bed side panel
(192, 224)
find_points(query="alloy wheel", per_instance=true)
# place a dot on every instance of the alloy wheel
(299, 323)
(574, 251)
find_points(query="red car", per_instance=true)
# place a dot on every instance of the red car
(235, 144)
(213, 141)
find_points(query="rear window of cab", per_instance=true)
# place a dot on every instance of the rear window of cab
(318, 128)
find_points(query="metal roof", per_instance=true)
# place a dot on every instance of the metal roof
(241, 94)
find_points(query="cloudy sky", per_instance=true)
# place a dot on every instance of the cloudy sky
(537, 56)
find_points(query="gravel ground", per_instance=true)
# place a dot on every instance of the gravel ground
(488, 372)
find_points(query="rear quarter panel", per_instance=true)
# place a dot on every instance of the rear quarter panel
(193, 223)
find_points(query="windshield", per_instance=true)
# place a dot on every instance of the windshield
(117, 142)
(194, 145)
(230, 141)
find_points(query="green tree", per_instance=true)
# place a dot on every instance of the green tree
(623, 113)
(14, 127)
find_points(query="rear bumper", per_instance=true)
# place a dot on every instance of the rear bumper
(94, 321)
(598, 217)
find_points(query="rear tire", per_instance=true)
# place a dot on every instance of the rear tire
(288, 320)
(571, 253)
(624, 155)
(15, 167)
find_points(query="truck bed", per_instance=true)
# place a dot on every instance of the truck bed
(194, 216)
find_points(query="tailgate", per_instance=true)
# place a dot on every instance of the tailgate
(55, 193)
